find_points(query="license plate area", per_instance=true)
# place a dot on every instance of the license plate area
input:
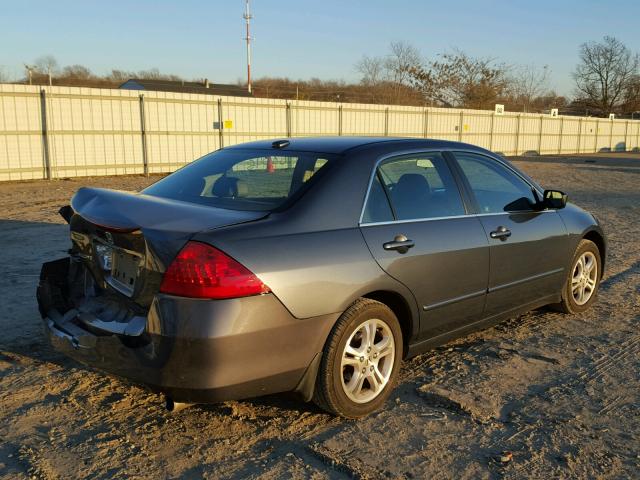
(124, 271)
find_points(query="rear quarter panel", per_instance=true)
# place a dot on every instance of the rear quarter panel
(312, 273)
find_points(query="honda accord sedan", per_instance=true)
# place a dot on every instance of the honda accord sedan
(313, 265)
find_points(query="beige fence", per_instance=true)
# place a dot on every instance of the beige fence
(57, 132)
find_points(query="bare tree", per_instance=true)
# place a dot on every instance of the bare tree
(631, 103)
(529, 82)
(77, 72)
(155, 74)
(120, 75)
(372, 70)
(388, 76)
(46, 64)
(4, 77)
(401, 59)
(459, 80)
(604, 73)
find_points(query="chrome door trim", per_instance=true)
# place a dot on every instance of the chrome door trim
(444, 303)
(471, 215)
(525, 280)
(453, 150)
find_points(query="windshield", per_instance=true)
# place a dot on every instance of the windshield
(238, 179)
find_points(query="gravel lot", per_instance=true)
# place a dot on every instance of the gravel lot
(561, 393)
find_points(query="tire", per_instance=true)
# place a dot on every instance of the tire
(353, 382)
(586, 282)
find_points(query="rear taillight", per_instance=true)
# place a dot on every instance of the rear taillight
(202, 271)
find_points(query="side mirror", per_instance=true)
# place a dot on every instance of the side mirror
(554, 199)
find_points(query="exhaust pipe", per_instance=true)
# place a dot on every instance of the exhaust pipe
(174, 407)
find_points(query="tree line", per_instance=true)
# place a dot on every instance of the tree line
(606, 80)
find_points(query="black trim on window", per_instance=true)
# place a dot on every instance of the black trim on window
(387, 194)
(468, 199)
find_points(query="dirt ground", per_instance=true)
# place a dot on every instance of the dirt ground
(561, 393)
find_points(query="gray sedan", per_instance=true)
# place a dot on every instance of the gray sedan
(312, 265)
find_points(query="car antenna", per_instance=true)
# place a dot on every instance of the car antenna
(280, 144)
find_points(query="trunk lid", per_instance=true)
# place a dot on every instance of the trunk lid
(127, 240)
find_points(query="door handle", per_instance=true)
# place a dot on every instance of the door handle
(501, 232)
(400, 243)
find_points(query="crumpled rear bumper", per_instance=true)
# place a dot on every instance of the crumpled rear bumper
(191, 349)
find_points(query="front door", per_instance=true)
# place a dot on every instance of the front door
(528, 248)
(418, 230)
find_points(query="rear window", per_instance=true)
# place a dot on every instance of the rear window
(257, 180)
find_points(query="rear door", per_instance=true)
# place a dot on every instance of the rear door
(417, 227)
(528, 247)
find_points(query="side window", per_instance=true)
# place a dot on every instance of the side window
(495, 187)
(421, 186)
(377, 208)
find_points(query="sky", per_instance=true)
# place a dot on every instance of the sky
(301, 40)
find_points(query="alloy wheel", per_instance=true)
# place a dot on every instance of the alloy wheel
(584, 278)
(367, 360)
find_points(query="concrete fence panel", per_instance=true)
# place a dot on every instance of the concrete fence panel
(93, 133)
(57, 132)
(22, 155)
(310, 120)
(477, 127)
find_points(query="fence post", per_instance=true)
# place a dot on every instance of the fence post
(45, 134)
(220, 124)
(386, 122)
(143, 133)
(626, 129)
(518, 134)
(579, 134)
(460, 127)
(595, 146)
(340, 120)
(610, 135)
(540, 136)
(425, 123)
(288, 118)
(493, 119)
(561, 132)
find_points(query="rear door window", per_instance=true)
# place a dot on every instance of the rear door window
(242, 179)
(419, 187)
(377, 208)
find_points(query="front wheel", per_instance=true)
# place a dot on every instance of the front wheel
(583, 280)
(360, 361)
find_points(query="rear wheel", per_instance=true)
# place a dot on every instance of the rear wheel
(360, 361)
(583, 280)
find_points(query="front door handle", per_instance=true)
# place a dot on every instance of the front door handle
(400, 243)
(501, 232)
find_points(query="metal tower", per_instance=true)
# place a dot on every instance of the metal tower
(247, 17)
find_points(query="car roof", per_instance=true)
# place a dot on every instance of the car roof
(339, 145)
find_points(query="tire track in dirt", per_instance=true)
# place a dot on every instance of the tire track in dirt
(629, 349)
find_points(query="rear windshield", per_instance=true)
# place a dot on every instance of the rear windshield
(239, 179)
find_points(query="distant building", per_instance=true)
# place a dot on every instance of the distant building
(179, 86)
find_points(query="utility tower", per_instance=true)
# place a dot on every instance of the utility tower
(247, 18)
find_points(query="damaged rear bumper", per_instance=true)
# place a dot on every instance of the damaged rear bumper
(190, 349)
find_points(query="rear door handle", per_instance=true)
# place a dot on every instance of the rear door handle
(400, 243)
(501, 232)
